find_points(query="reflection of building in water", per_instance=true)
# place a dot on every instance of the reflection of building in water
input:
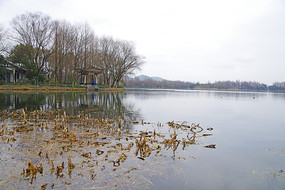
(31, 101)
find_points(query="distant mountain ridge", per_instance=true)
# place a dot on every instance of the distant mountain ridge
(145, 77)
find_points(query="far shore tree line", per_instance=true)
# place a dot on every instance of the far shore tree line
(218, 85)
(58, 51)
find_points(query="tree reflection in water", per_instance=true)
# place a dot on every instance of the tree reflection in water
(98, 104)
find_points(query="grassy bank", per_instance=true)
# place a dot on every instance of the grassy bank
(4, 88)
(53, 88)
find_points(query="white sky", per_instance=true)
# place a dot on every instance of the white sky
(189, 40)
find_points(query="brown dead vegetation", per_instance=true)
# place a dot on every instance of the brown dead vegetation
(90, 146)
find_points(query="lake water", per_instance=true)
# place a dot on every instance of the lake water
(248, 131)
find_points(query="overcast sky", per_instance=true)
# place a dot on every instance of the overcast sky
(188, 40)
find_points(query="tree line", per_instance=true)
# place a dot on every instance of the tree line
(218, 85)
(60, 51)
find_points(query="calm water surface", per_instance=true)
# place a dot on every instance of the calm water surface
(248, 130)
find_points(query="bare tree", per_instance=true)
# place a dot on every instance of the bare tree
(107, 53)
(35, 30)
(74, 50)
(89, 48)
(60, 60)
(3, 41)
(117, 59)
(126, 62)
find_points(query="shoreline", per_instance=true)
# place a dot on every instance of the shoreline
(26, 88)
(35, 88)
(206, 89)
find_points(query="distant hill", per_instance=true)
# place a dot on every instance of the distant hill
(145, 77)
